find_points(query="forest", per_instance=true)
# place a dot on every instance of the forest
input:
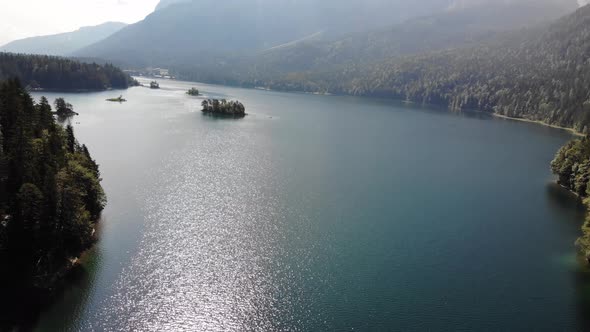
(572, 166)
(50, 192)
(41, 72)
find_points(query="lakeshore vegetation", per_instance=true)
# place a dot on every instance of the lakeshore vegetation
(193, 92)
(572, 166)
(223, 108)
(50, 191)
(41, 72)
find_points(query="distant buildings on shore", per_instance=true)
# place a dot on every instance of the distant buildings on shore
(151, 72)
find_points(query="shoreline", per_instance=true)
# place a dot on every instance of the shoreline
(500, 116)
(571, 130)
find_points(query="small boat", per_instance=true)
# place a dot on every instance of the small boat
(120, 99)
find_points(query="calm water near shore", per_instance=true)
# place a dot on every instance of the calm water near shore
(321, 213)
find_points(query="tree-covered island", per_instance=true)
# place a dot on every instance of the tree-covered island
(50, 193)
(119, 99)
(223, 108)
(193, 92)
(63, 109)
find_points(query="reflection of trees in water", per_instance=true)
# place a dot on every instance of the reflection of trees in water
(565, 201)
(573, 208)
(582, 289)
(21, 309)
(64, 120)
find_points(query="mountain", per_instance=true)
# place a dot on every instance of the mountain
(463, 23)
(204, 29)
(540, 74)
(63, 43)
(165, 3)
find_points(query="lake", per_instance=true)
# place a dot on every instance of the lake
(321, 213)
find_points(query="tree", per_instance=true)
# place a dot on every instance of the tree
(30, 207)
(46, 72)
(50, 188)
(70, 139)
(63, 108)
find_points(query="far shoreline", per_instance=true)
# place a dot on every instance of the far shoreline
(409, 102)
(571, 130)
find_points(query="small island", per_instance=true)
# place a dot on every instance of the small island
(64, 109)
(193, 92)
(154, 85)
(120, 99)
(223, 108)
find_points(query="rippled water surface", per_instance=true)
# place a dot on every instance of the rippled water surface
(321, 213)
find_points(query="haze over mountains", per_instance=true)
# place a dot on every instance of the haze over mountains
(512, 57)
(177, 33)
(301, 35)
(63, 43)
(541, 74)
(291, 35)
(458, 26)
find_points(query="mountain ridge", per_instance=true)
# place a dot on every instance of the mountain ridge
(63, 43)
(181, 31)
(538, 74)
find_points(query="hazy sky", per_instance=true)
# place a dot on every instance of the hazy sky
(27, 18)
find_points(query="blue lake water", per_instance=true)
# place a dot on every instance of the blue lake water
(321, 213)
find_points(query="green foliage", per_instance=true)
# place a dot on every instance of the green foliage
(193, 92)
(51, 190)
(572, 166)
(54, 73)
(223, 108)
(63, 109)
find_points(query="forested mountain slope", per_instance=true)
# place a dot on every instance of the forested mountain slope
(189, 32)
(457, 26)
(54, 73)
(539, 74)
(63, 43)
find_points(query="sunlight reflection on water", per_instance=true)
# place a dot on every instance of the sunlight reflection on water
(206, 255)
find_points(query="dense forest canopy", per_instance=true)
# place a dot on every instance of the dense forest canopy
(572, 166)
(54, 73)
(50, 191)
(223, 107)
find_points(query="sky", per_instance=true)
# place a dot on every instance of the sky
(27, 18)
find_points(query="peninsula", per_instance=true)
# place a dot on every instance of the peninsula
(50, 192)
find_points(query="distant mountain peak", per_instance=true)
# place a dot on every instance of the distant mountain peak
(63, 43)
(165, 3)
(466, 4)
